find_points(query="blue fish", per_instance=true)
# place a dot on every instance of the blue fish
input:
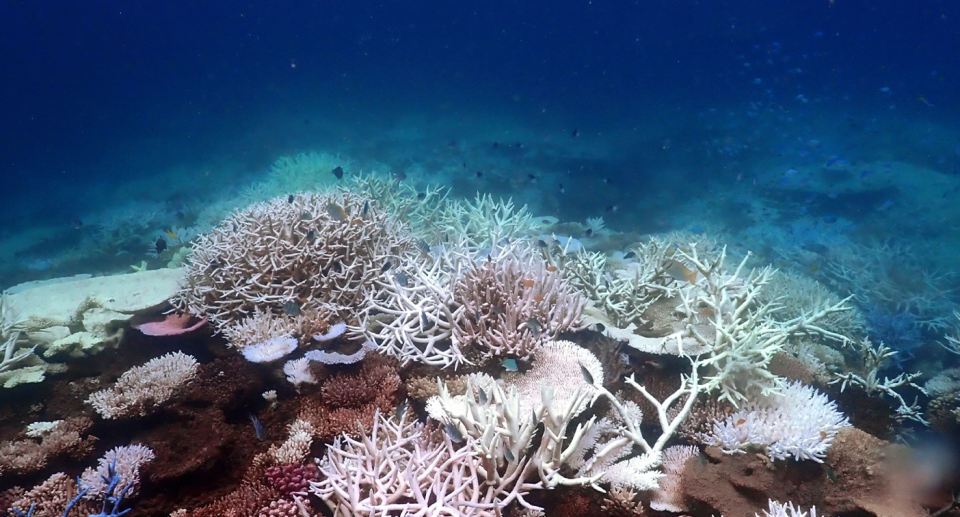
(510, 365)
(829, 219)
(697, 229)
(810, 198)
(865, 173)
(257, 427)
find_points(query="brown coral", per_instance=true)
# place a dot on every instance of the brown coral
(27, 455)
(50, 498)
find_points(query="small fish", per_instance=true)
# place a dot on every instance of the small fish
(680, 272)
(336, 213)
(563, 190)
(290, 199)
(171, 234)
(865, 173)
(510, 365)
(534, 325)
(421, 196)
(453, 433)
(401, 280)
(810, 198)
(532, 178)
(741, 421)
(386, 266)
(482, 396)
(424, 322)
(401, 409)
(600, 327)
(587, 376)
(257, 427)
(541, 243)
(366, 208)
(423, 246)
(508, 454)
(791, 172)
(589, 232)
(630, 255)
(479, 174)
(338, 172)
(612, 208)
(829, 219)
(304, 216)
(575, 133)
(160, 245)
(311, 235)
(831, 475)
(697, 229)
(551, 268)
(538, 298)
(76, 223)
(292, 308)
(496, 310)
(885, 205)
(815, 247)
(528, 283)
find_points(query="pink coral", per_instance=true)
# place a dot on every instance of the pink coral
(292, 478)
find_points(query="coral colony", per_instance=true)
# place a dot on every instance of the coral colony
(368, 349)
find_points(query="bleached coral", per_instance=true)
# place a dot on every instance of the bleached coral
(297, 445)
(143, 388)
(298, 372)
(309, 253)
(787, 509)
(866, 375)
(669, 495)
(269, 350)
(799, 422)
(125, 461)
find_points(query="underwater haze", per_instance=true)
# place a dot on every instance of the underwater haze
(478, 191)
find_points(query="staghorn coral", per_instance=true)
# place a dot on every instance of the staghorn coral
(320, 252)
(142, 389)
(460, 306)
(64, 437)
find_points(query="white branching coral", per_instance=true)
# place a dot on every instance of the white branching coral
(867, 377)
(787, 509)
(125, 461)
(402, 467)
(799, 422)
(143, 388)
(304, 252)
(458, 306)
(560, 365)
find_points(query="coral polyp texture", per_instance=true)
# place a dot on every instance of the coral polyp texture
(316, 252)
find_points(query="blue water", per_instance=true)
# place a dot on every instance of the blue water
(672, 103)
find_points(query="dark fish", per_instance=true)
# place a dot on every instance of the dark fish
(453, 433)
(532, 178)
(402, 279)
(482, 397)
(817, 248)
(336, 267)
(213, 266)
(534, 325)
(401, 409)
(292, 308)
(257, 427)
(612, 208)
(510, 365)
(290, 198)
(400, 175)
(311, 235)
(829, 219)
(601, 327)
(386, 266)
(508, 454)
(479, 174)
(424, 322)
(562, 189)
(160, 245)
(304, 216)
(421, 196)
(630, 255)
(338, 172)
(589, 232)
(587, 376)
(496, 310)
(76, 223)
(541, 243)
(366, 208)
(423, 246)
(336, 212)
(464, 165)
(575, 133)
(496, 144)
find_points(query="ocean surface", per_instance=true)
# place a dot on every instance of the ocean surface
(820, 136)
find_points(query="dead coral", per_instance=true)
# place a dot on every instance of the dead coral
(62, 438)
